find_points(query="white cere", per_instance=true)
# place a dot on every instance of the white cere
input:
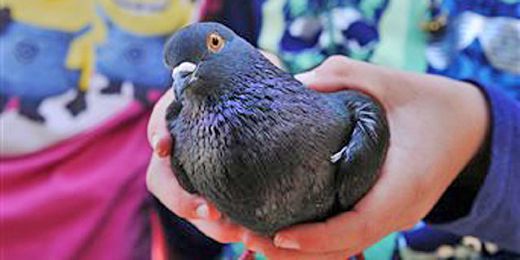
(184, 67)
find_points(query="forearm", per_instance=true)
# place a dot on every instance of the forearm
(483, 200)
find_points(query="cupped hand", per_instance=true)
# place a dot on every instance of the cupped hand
(161, 182)
(436, 126)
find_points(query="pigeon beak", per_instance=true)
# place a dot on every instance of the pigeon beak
(183, 76)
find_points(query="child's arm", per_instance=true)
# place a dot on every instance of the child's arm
(495, 212)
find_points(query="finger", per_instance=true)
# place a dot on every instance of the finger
(400, 191)
(158, 135)
(273, 58)
(322, 82)
(162, 145)
(382, 211)
(161, 182)
(265, 245)
(331, 235)
(340, 73)
(221, 230)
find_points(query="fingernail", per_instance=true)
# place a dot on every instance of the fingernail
(159, 148)
(202, 211)
(162, 151)
(284, 242)
(305, 77)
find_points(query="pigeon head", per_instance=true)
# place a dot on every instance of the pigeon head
(205, 57)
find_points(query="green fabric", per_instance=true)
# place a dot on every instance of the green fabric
(383, 249)
(415, 60)
(368, 7)
(298, 7)
(402, 43)
(272, 13)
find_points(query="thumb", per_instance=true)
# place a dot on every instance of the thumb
(341, 73)
(322, 83)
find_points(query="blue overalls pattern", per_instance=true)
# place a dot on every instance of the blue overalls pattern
(316, 29)
(126, 56)
(33, 66)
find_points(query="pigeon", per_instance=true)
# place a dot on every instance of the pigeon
(267, 151)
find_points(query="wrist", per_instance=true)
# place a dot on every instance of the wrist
(457, 200)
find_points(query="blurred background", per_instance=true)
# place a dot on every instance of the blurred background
(79, 79)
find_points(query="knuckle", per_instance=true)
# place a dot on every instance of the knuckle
(337, 58)
(340, 62)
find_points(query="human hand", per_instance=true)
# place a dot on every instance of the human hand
(160, 179)
(437, 125)
(162, 183)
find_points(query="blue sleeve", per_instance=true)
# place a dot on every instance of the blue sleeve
(495, 213)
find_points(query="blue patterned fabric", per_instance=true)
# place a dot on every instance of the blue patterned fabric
(316, 29)
(481, 43)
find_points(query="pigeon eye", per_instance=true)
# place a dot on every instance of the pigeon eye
(215, 42)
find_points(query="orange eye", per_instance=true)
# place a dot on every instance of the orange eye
(215, 42)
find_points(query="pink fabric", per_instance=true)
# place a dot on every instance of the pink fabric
(83, 199)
